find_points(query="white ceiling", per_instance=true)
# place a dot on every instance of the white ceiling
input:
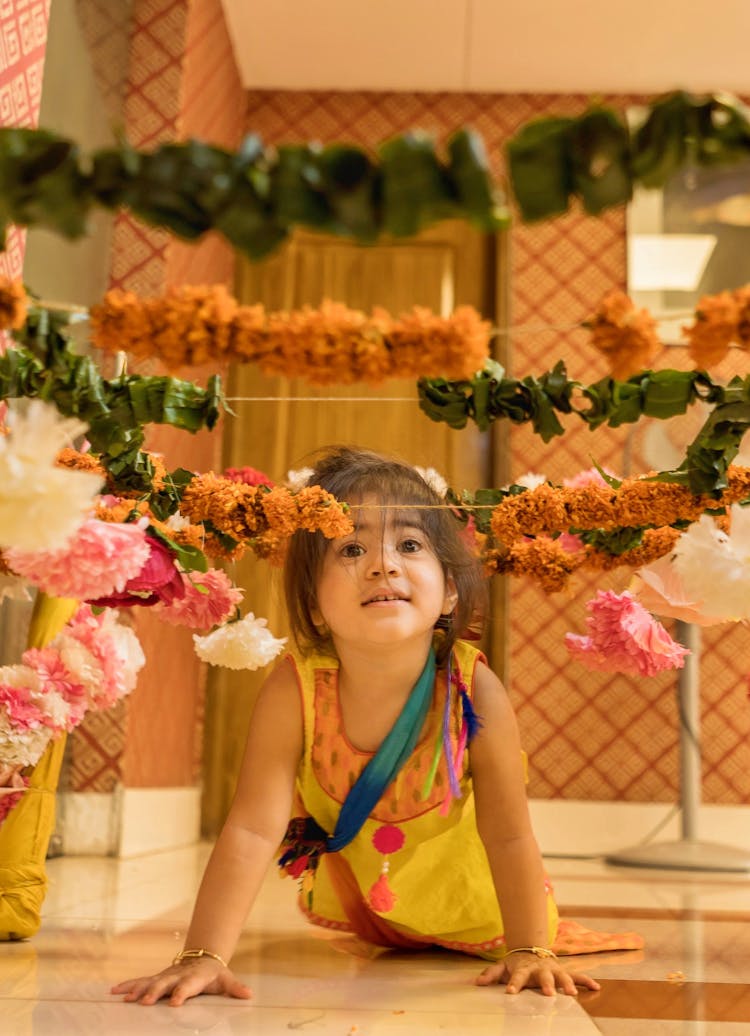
(505, 46)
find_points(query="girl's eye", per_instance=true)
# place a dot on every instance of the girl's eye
(410, 546)
(352, 550)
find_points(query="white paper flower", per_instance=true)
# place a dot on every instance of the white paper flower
(715, 566)
(434, 480)
(21, 747)
(298, 478)
(41, 505)
(530, 480)
(245, 644)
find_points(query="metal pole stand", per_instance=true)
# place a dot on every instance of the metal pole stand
(687, 853)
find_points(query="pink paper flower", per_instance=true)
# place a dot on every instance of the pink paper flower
(250, 476)
(21, 708)
(590, 477)
(624, 638)
(54, 675)
(209, 599)
(98, 560)
(157, 581)
(101, 654)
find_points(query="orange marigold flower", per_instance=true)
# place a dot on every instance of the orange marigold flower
(424, 344)
(537, 510)
(544, 559)
(738, 479)
(714, 328)
(271, 547)
(232, 508)
(319, 511)
(590, 506)
(67, 457)
(13, 304)
(280, 509)
(742, 298)
(625, 335)
(121, 511)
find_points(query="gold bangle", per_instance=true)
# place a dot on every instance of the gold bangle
(538, 951)
(189, 954)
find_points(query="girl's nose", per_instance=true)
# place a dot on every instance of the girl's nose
(385, 564)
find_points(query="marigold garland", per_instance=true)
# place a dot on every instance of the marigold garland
(258, 517)
(551, 565)
(625, 335)
(193, 325)
(635, 503)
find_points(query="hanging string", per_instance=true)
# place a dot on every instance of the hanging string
(321, 399)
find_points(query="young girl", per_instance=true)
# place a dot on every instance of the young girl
(398, 748)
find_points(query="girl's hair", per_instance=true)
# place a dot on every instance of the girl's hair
(349, 474)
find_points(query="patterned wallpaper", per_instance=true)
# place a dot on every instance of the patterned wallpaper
(23, 39)
(589, 736)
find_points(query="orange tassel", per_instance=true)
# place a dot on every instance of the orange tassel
(380, 897)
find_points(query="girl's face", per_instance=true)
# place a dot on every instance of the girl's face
(383, 584)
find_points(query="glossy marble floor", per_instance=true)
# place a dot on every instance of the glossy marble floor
(107, 919)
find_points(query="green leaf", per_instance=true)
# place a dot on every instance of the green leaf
(667, 393)
(659, 146)
(295, 191)
(191, 559)
(416, 189)
(351, 184)
(469, 171)
(540, 170)
(599, 154)
(443, 401)
(616, 542)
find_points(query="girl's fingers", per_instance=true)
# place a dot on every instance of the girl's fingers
(548, 980)
(490, 975)
(585, 980)
(238, 989)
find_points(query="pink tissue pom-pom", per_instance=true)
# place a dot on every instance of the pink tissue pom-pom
(200, 609)
(98, 559)
(113, 648)
(624, 638)
(589, 477)
(157, 581)
(54, 675)
(250, 476)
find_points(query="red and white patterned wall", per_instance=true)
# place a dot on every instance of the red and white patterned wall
(23, 40)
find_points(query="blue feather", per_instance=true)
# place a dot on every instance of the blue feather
(473, 722)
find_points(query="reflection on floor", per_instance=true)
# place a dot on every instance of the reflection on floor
(107, 919)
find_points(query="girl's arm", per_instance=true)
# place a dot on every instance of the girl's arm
(246, 846)
(515, 861)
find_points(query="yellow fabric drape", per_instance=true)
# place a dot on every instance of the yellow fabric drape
(25, 834)
(445, 267)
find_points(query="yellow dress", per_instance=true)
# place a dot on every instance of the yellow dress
(442, 890)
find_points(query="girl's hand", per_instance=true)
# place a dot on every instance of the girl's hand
(181, 981)
(526, 970)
